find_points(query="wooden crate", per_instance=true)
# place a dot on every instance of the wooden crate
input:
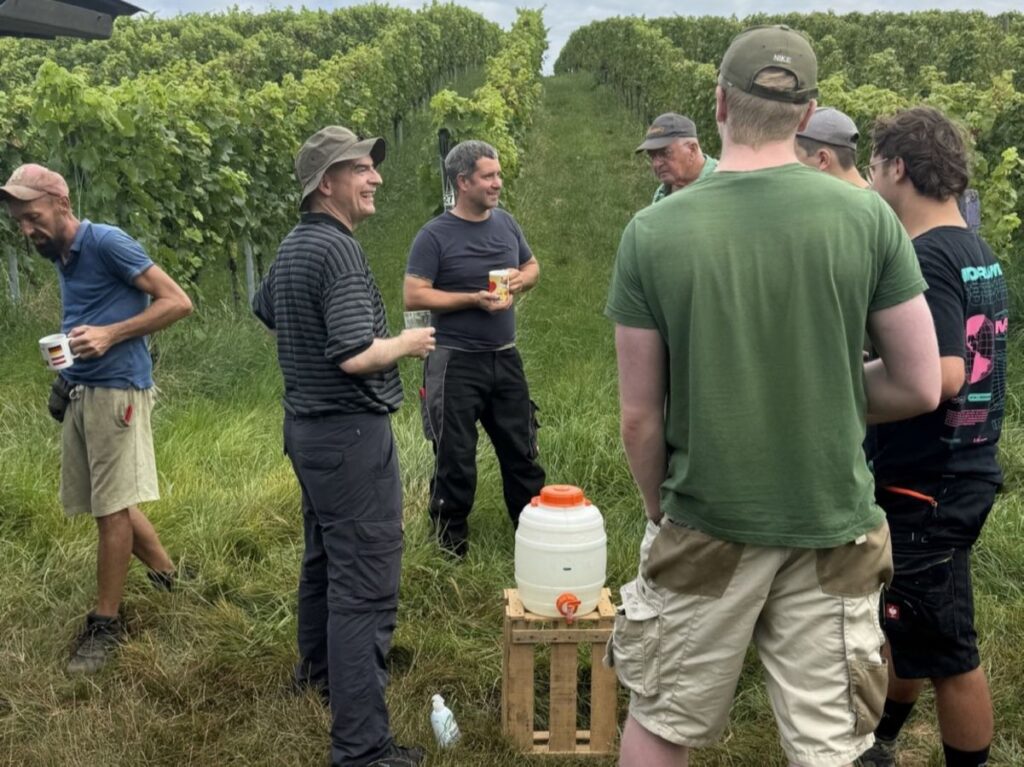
(524, 631)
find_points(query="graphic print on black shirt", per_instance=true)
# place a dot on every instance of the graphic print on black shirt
(968, 300)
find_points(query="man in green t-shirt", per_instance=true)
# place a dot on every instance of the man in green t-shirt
(675, 154)
(740, 307)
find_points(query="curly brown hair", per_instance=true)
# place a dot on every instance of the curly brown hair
(933, 149)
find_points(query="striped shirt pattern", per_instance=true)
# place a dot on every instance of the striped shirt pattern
(321, 298)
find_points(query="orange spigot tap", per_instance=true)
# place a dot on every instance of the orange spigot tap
(567, 605)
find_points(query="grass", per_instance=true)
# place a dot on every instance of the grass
(204, 679)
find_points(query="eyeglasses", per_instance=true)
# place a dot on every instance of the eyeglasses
(665, 153)
(868, 171)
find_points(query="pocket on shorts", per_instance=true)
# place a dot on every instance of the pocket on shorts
(868, 684)
(921, 601)
(376, 555)
(856, 569)
(123, 409)
(634, 648)
(688, 561)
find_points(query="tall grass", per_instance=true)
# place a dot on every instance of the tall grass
(204, 677)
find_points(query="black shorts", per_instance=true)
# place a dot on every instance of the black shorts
(928, 611)
(928, 614)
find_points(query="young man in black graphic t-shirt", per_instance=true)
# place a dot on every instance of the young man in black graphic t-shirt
(936, 475)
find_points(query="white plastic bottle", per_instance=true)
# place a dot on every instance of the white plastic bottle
(443, 721)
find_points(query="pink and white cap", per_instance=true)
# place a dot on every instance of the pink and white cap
(32, 181)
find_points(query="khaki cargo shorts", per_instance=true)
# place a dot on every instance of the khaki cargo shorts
(686, 622)
(107, 461)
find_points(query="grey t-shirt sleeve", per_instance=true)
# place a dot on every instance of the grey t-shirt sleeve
(525, 254)
(424, 256)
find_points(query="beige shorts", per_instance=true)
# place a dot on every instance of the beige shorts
(686, 622)
(107, 461)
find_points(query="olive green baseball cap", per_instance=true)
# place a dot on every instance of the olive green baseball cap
(328, 146)
(762, 47)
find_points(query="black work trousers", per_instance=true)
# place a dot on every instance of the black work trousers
(347, 466)
(462, 388)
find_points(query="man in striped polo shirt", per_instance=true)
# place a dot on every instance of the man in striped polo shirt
(341, 384)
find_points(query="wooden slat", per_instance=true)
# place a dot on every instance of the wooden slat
(519, 695)
(560, 636)
(513, 605)
(562, 708)
(603, 690)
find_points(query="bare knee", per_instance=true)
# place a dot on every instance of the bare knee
(110, 523)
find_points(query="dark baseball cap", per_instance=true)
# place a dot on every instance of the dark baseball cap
(328, 146)
(759, 48)
(667, 128)
(830, 126)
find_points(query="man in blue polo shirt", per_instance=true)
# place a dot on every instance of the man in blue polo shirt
(113, 297)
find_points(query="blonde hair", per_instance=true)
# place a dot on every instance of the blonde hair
(753, 120)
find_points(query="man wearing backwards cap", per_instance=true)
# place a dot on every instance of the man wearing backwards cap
(829, 143)
(340, 386)
(740, 309)
(112, 297)
(676, 159)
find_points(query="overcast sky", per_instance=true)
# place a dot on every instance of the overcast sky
(563, 17)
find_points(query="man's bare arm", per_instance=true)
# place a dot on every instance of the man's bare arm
(907, 379)
(642, 361)
(420, 293)
(385, 352)
(170, 303)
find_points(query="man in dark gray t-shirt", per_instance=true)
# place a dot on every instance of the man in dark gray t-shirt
(476, 373)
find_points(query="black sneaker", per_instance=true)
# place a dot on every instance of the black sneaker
(95, 645)
(882, 754)
(168, 581)
(399, 756)
(320, 689)
(455, 548)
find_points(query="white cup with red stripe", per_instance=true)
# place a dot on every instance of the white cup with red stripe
(56, 351)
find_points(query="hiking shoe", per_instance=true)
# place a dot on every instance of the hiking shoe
(399, 756)
(168, 581)
(320, 689)
(882, 754)
(455, 548)
(95, 645)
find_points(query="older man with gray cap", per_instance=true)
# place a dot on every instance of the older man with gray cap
(674, 151)
(761, 518)
(341, 384)
(829, 143)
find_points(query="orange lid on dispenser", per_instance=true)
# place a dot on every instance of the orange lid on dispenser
(560, 497)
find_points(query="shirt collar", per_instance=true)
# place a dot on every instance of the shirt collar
(83, 229)
(309, 217)
(76, 244)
